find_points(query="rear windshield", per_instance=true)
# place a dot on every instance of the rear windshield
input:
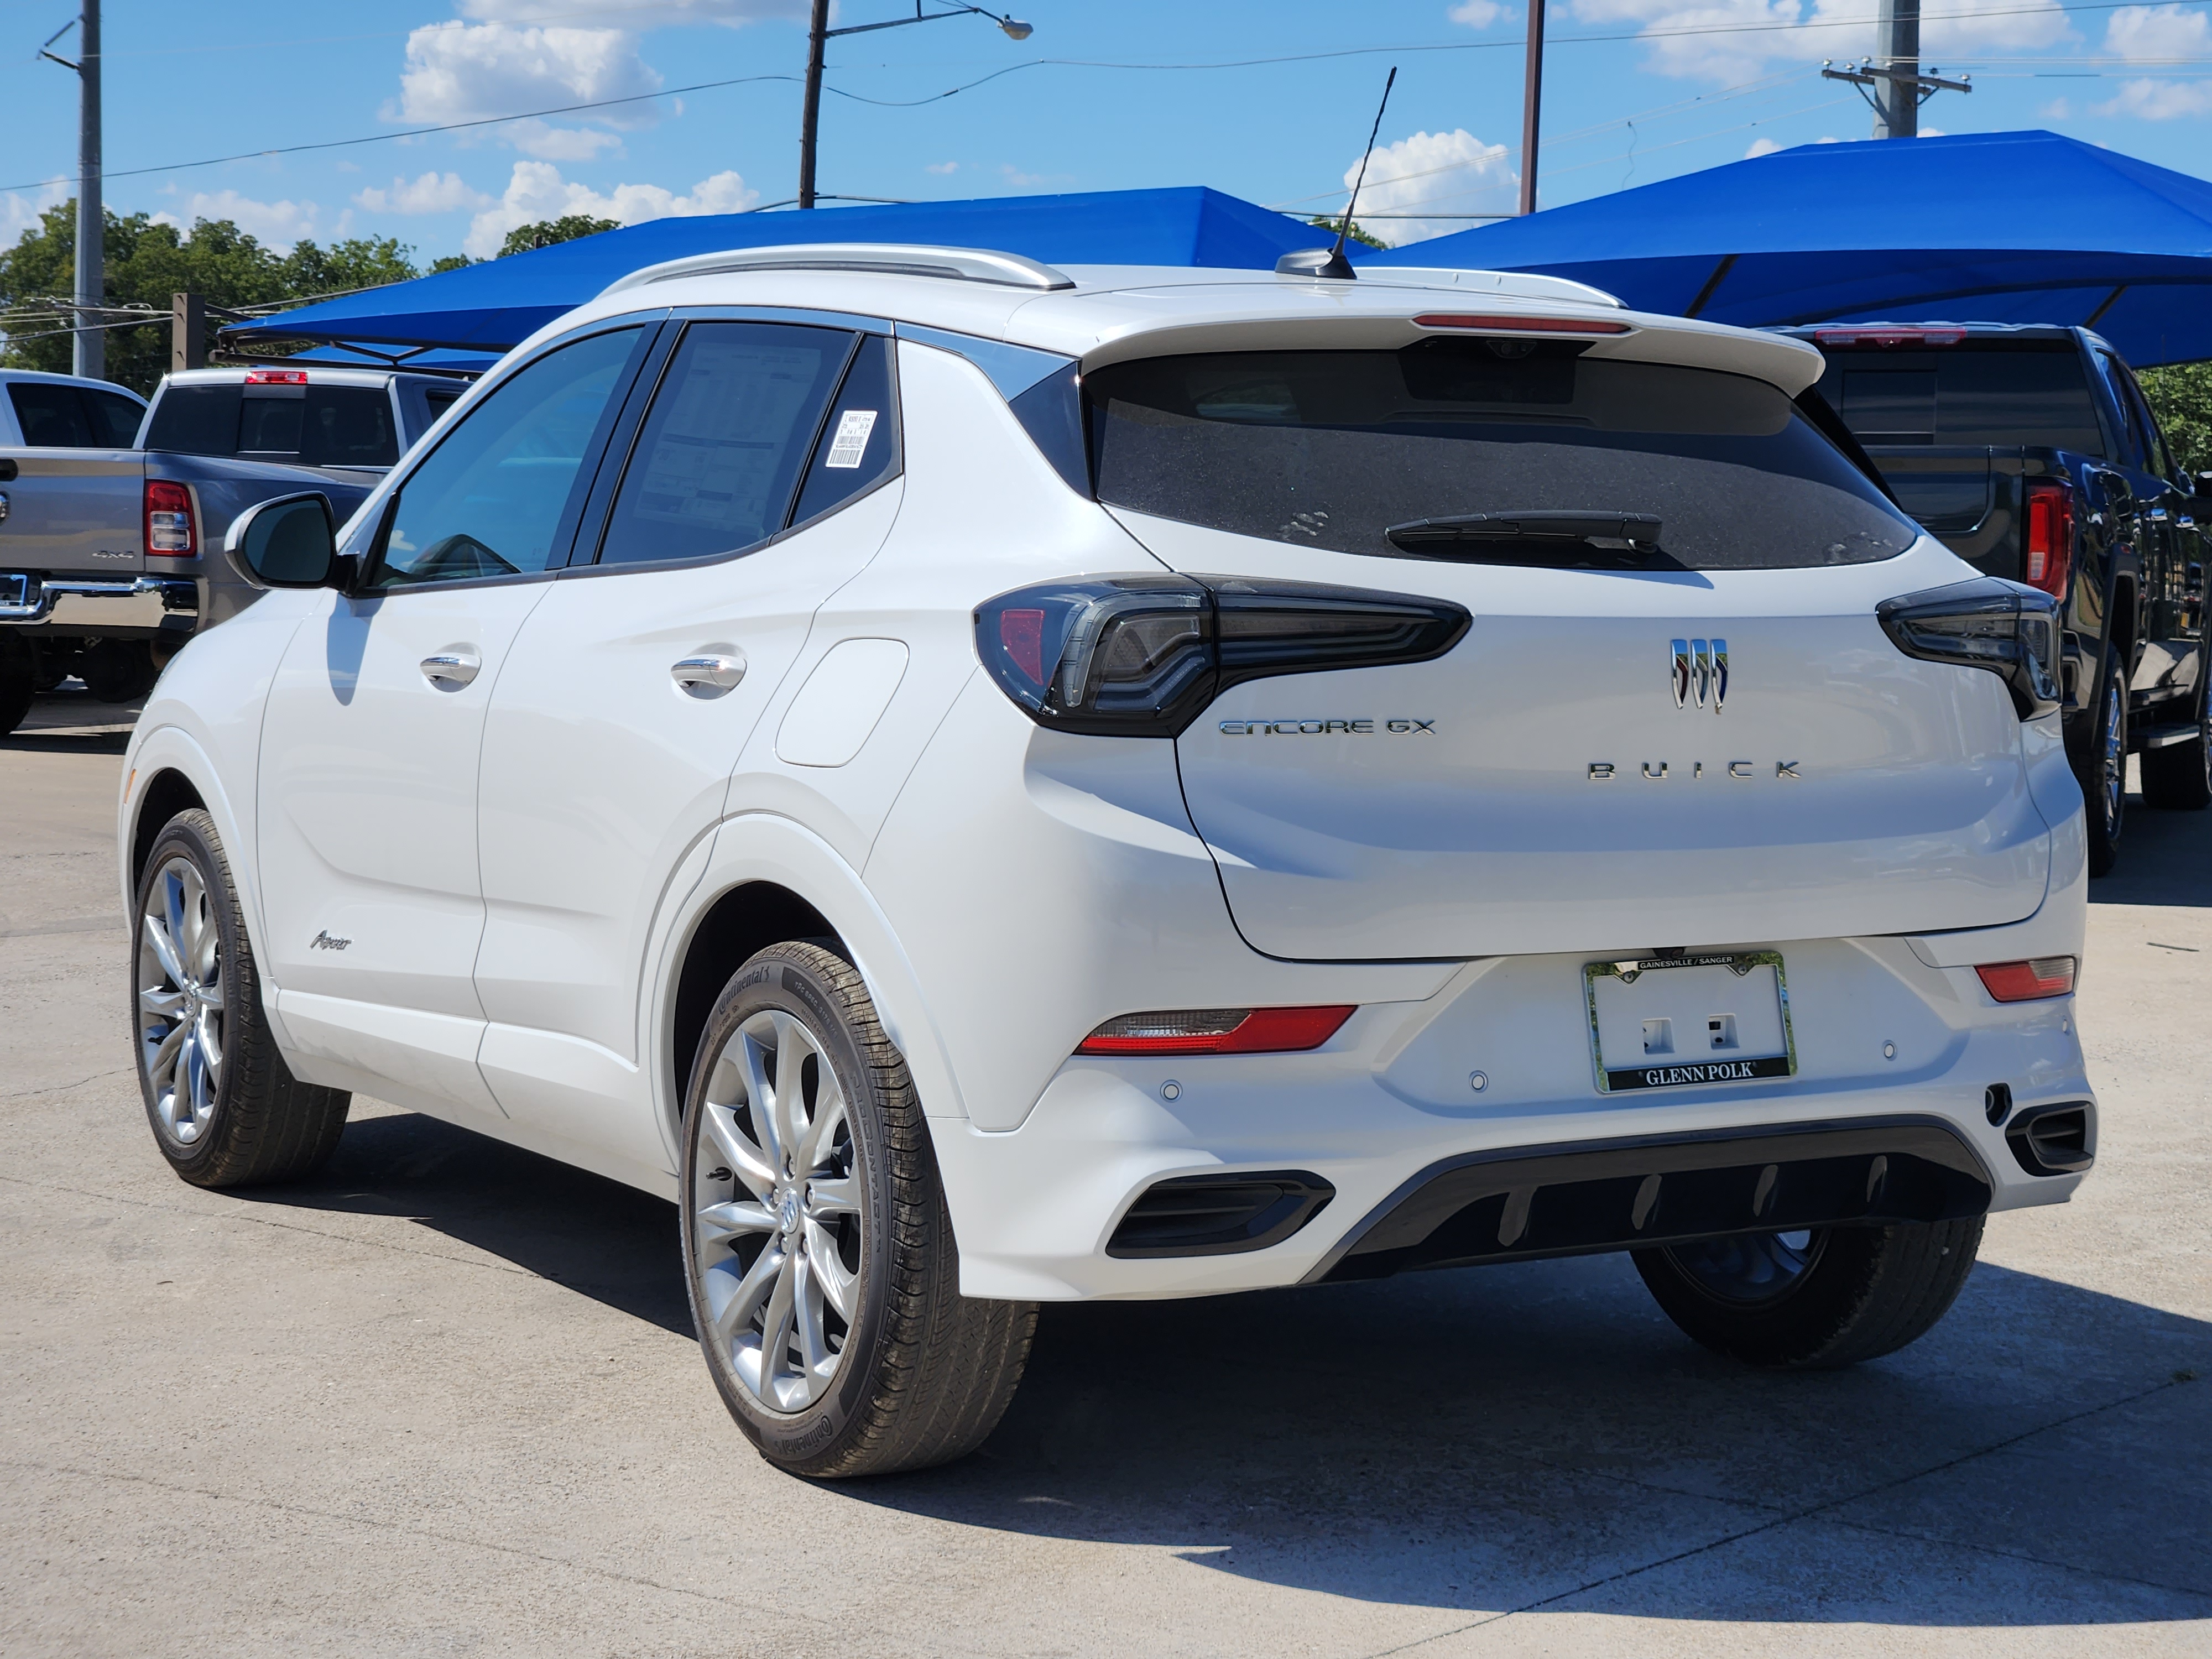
(1612, 464)
(2007, 393)
(330, 426)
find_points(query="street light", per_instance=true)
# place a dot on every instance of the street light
(818, 31)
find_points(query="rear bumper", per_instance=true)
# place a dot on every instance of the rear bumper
(65, 605)
(1414, 1166)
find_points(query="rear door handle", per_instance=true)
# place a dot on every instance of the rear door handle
(449, 671)
(709, 674)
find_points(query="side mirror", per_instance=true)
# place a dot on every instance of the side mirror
(290, 541)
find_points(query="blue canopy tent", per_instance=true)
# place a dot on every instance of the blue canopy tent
(479, 312)
(2002, 227)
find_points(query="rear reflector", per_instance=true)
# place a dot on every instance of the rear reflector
(276, 377)
(1219, 1031)
(1889, 334)
(170, 532)
(1520, 324)
(2026, 981)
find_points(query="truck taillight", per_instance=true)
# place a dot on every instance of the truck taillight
(170, 531)
(2047, 552)
(276, 377)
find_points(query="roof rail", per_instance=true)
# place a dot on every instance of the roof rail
(1514, 285)
(959, 265)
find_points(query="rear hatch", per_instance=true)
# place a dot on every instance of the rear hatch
(1673, 720)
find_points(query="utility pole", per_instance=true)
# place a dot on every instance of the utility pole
(1532, 104)
(88, 352)
(818, 34)
(1891, 80)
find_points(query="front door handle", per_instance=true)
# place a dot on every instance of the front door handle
(709, 674)
(449, 671)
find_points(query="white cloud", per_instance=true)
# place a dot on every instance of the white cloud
(1758, 146)
(467, 72)
(434, 193)
(1478, 14)
(1451, 171)
(279, 224)
(2153, 34)
(2159, 101)
(731, 14)
(537, 191)
(19, 213)
(941, 168)
(1699, 41)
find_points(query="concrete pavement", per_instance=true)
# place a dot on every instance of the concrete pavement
(444, 1399)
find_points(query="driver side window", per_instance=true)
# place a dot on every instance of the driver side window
(499, 497)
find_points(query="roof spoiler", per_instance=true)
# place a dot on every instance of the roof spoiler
(1516, 284)
(959, 265)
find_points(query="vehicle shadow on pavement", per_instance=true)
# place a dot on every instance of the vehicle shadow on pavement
(1504, 1437)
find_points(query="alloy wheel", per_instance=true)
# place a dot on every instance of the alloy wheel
(776, 1212)
(2115, 758)
(182, 1001)
(1749, 1269)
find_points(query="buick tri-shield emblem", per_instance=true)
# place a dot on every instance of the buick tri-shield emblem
(1700, 672)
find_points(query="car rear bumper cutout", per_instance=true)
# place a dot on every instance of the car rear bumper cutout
(1518, 1204)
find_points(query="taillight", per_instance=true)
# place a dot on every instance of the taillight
(1519, 325)
(276, 377)
(2026, 981)
(1891, 334)
(1141, 656)
(1219, 1031)
(2049, 543)
(170, 532)
(2011, 630)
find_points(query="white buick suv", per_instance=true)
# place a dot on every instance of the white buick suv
(989, 785)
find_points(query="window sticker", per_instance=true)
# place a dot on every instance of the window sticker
(851, 442)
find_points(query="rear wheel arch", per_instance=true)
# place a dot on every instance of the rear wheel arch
(168, 793)
(747, 918)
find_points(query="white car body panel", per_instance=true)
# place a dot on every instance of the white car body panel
(523, 868)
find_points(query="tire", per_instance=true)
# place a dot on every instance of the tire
(116, 671)
(2178, 777)
(1814, 1301)
(908, 1373)
(2103, 768)
(19, 686)
(225, 1111)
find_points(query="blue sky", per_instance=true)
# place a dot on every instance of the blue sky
(1102, 96)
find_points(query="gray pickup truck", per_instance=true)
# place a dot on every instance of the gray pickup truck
(112, 514)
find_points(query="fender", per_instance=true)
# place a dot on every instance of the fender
(756, 845)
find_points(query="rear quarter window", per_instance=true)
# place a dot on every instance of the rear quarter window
(1334, 449)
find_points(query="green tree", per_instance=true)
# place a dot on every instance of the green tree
(148, 265)
(528, 239)
(1360, 234)
(2181, 397)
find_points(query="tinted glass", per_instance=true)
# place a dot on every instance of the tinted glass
(196, 420)
(1331, 449)
(717, 461)
(492, 498)
(330, 426)
(114, 420)
(51, 416)
(859, 446)
(2005, 393)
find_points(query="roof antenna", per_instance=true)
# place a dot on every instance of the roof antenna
(1330, 262)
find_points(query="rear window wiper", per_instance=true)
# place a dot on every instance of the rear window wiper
(1543, 536)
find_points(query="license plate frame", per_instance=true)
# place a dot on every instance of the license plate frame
(1644, 1075)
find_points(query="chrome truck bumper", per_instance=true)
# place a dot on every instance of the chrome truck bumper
(69, 603)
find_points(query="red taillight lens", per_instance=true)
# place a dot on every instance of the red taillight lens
(1519, 325)
(276, 377)
(2024, 982)
(1890, 335)
(1219, 1031)
(2048, 553)
(1022, 632)
(170, 532)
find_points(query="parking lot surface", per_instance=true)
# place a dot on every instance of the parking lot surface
(444, 1399)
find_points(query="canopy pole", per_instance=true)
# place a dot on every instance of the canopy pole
(1532, 104)
(2109, 301)
(1720, 275)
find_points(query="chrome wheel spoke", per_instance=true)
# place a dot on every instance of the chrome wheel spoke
(831, 1276)
(760, 1096)
(162, 1001)
(745, 1161)
(739, 1219)
(160, 940)
(832, 1195)
(821, 1136)
(788, 1109)
(209, 1036)
(734, 1315)
(806, 1313)
(775, 1333)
